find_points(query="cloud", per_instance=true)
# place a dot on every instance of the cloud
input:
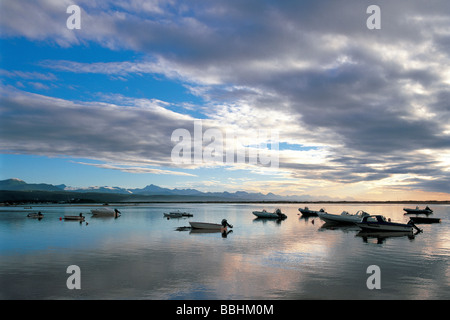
(37, 124)
(135, 169)
(369, 100)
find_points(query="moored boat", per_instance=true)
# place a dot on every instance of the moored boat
(177, 214)
(425, 220)
(417, 210)
(35, 215)
(173, 215)
(205, 225)
(211, 226)
(306, 212)
(80, 217)
(277, 214)
(105, 212)
(379, 223)
(344, 217)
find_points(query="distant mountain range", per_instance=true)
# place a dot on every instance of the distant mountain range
(149, 192)
(16, 191)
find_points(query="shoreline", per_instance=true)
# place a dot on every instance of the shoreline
(134, 203)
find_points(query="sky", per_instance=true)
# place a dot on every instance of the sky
(289, 97)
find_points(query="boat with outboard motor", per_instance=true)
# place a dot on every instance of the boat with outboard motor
(379, 223)
(211, 226)
(306, 212)
(344, 217)
(80, 217)
(277, 214)
(417, 210)
(35, 215)
(105, 212)
(177, 214)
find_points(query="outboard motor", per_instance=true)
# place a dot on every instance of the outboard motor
(410, 222)
(225, 223)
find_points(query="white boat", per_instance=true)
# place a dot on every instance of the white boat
(379, 223)
(417, 210)
(344, 217)
(78, 218)
(206, 225)
(277, 214)
(211, 226)
(105, 212)
(310, 213)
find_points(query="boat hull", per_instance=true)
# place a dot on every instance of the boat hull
(105, 212)
(425, 220)
(385, 227)
(336, 218)
(268, 215)
(74, 218)
(173, 215)
(207, 226)
(35, 215)
(418, 211)
(309, 213)
(177, 214)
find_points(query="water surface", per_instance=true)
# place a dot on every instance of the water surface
(142, 255)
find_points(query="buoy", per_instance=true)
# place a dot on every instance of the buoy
(60, 218)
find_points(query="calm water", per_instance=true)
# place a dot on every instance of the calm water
(141, 255)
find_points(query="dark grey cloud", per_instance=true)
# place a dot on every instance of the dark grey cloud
(138, 134)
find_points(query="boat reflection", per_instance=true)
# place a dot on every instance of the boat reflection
(265, 220)
(381, 236)
(224, 232)
(306, 218)
(339, 226)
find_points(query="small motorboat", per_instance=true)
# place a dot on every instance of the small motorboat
(177, 214)
(173, 215)
(211, 226)
(344, 217)
(206, 225)
(80, 217)
(417, 210)
(35, 215)
(105, 212)
(306, 212)
(277, 214)
(379, 223)
(425, 220)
